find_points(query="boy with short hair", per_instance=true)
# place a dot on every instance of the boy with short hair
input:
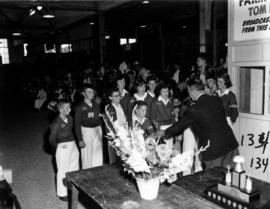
(88, 129)
(67, 155)
(139, 119)
(115, 111)
(151, 86)
(124, 97)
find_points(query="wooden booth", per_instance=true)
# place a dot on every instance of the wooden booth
(249, 67)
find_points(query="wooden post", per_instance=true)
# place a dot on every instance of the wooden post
(101, 35)
(162, 53)
(215, 52)
(205, 23)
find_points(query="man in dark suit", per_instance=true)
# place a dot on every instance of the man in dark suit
(208, 118)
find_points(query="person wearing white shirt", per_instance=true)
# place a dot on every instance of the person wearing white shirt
(114, 113)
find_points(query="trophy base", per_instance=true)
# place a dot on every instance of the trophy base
(230, 197)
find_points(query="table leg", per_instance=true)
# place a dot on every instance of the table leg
(73, 192)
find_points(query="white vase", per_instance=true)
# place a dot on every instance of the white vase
(148, 188)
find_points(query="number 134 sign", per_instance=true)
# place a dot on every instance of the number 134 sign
(254, 147)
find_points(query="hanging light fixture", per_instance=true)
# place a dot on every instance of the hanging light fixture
(32, 12)
(145, 2)
(39, 8)
(48, 15)
(17, 33)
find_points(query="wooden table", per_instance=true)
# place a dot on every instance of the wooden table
(111, 190)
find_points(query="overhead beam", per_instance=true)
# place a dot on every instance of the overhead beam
(54, 8)
(38, 27)
(65, 28)
(65, 5)
(9, 19)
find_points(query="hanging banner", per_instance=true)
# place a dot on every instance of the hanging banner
(251, 19)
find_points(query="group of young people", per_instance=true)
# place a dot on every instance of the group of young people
(155, 106)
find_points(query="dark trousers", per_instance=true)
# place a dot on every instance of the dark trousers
(222, 161)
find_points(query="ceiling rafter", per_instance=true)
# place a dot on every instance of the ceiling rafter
(9, 19)
(53, 8)
(72, 13)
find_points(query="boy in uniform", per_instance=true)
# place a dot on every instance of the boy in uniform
(88, 129)
(124, 97)
(67, 155)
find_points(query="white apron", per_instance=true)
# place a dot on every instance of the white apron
(67, 159)
(190, 144)
(92, 153)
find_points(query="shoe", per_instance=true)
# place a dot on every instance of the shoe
(64, 198)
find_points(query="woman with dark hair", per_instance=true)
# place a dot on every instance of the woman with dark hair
(140, 90)
(202, 68)
(161, 111)
(228, 98)
(162, 108)
(211, 84)
(141, 95)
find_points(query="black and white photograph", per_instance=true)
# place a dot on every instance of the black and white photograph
(134, 104)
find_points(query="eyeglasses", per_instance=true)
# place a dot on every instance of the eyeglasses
(116, 95)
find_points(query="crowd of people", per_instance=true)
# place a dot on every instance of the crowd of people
(189, 109)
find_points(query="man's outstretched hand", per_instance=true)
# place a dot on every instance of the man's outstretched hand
(159, 134)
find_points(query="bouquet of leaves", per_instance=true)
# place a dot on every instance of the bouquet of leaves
(146, 158)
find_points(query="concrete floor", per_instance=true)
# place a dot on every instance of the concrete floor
(22, 149)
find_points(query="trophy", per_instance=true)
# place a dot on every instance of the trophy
(236, 191)
(238, 174)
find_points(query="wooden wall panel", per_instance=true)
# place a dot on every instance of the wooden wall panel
(254, 146)
(248, 53)
(266, 52)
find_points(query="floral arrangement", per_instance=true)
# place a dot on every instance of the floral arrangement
(146, 158)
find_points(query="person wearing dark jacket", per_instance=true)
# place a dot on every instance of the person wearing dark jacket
(67, 155)
(209, 118)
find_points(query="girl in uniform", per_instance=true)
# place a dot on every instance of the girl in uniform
(228, 98)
